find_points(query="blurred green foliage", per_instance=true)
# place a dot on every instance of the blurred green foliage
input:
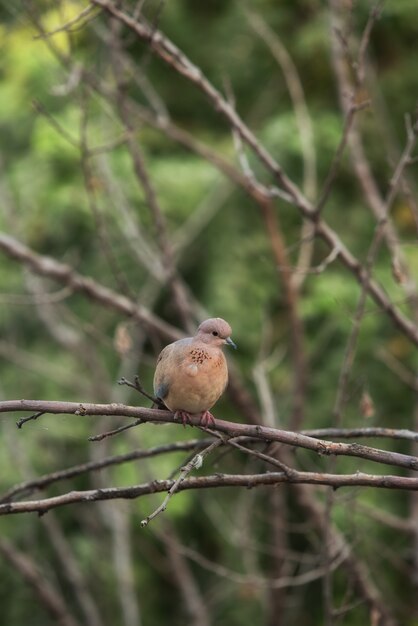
(228, 267)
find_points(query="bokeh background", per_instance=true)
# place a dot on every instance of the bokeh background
(72, 104)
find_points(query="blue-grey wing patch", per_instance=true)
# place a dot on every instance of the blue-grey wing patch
(161, 390)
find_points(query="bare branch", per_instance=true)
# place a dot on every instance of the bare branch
(29, 486)
(47, 266)
(232, 429)
(248, 481)
(170, 54)
(353, 433)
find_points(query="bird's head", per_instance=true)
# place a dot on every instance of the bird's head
(216, 332)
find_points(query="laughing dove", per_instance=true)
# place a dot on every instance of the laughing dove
(192, 373)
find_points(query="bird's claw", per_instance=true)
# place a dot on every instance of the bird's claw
(184, 417)
(207, 419)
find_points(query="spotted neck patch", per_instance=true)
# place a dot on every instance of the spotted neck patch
(199, 355)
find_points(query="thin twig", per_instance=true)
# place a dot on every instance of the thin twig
(353, 433)
(23, 420)
(336, 161)
(137, 385)
(258, 581)
(318, 269)
(67, 27)
(116, 431)
(288, 471)
(195, 463)
(360, 64)
(40, 108)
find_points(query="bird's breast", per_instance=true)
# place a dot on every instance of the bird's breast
(199, 381)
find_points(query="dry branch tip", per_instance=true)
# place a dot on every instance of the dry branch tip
(23, 420)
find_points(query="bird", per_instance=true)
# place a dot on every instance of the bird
(191, 374)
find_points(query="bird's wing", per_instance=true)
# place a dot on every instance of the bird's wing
(168, 362)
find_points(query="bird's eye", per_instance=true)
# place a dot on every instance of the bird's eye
(215, 333)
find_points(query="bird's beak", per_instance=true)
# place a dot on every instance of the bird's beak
(229, 341)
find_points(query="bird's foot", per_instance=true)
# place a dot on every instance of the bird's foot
(184, 416)
(207, 419)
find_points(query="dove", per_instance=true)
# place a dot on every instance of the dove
(192, 373)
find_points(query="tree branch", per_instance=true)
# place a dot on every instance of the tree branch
(27, 487)
(359, 479)
(232, 429)
(65, 274)
(171, 55)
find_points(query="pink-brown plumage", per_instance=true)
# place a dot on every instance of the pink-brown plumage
(192, 373)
